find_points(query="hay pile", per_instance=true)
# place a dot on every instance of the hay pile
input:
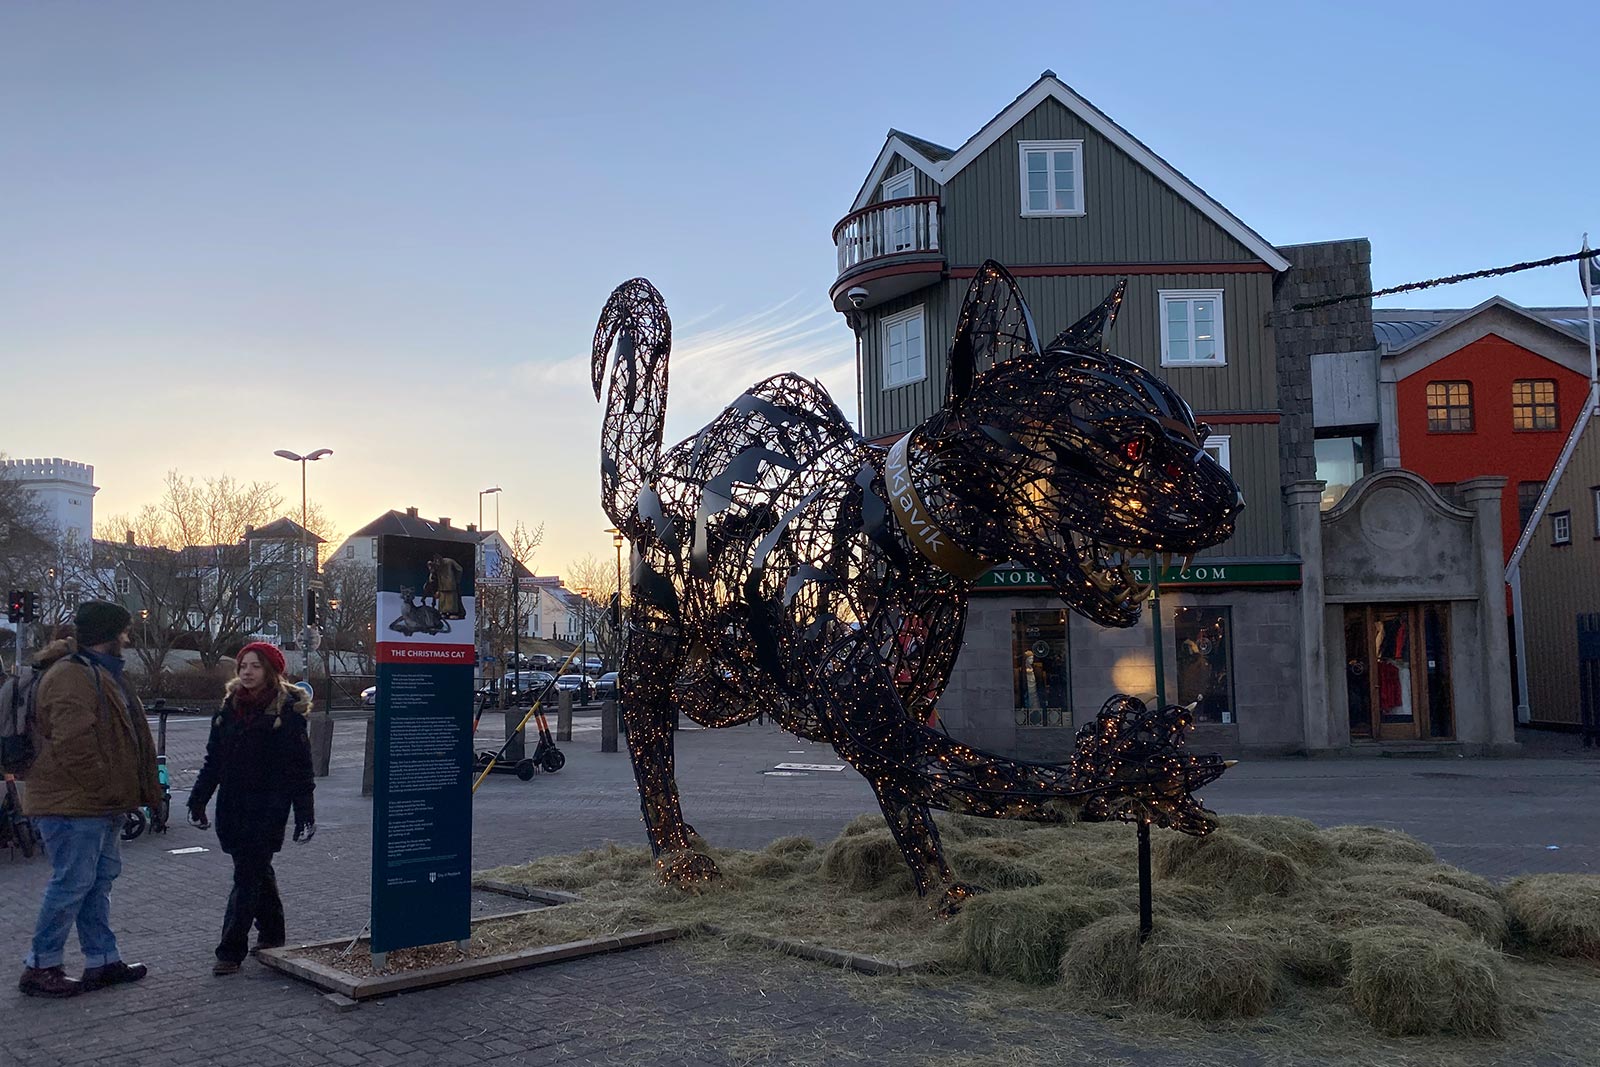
(1265, 909)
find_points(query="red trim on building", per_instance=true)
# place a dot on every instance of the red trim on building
(1239, 418)
(1061, 270)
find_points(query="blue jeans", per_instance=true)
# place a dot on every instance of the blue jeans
(85, 858)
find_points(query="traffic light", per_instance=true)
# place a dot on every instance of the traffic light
(311, 607)
(30, 610)
(14, 606)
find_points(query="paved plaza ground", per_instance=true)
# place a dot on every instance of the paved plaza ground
(684, 1003)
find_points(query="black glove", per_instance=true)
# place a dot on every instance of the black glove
(305, 818)
(197, 817)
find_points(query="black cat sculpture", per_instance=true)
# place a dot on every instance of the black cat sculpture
(780, 561)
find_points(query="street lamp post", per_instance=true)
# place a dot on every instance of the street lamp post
(478, 616)
(481, 494)
(305, 554)
(616, 617)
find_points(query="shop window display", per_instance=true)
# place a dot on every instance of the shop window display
(1042, 681)
(1205, 661)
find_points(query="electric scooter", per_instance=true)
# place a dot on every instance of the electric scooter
(153, 819)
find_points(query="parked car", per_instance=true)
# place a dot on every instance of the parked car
(606, 687)
(582, 688)
(593, 665)
(528, 685)
(369, 695)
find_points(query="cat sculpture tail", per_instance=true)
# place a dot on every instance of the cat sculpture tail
(636, 324)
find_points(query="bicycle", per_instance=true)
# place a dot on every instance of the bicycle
(16, 829)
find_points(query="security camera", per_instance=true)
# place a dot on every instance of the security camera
(858, 296)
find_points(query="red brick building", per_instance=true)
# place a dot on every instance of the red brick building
(1492, 390)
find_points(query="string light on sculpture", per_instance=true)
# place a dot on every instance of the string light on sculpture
(785, 566)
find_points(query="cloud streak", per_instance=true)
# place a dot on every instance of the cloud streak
(712, 365)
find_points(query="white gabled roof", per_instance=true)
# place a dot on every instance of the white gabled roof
(1591, 408)
(1050, 87)
(892, 147)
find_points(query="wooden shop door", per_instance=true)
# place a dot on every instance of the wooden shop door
(1397, 672)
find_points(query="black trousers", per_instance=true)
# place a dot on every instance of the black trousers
(254, 901)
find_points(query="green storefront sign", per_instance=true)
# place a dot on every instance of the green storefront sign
(1198, 574)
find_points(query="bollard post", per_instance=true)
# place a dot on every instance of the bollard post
(161, 735)
(563, 716)
(321, 730)
(608, 726)
(367, 762)
(516, 740)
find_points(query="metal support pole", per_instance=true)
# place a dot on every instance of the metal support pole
(1155, 635)
(305, 581)
(1145, 920)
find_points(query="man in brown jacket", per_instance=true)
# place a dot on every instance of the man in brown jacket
(96, 762)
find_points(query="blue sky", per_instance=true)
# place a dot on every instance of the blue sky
(387, 228)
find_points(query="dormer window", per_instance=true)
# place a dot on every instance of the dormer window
(1052, 177)
(902, 221)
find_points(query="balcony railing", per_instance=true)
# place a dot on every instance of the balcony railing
(899, 227)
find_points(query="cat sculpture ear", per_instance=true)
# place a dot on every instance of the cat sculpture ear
(1088, 334)
(995, 325)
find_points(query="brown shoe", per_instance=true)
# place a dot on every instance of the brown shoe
(225, 967)
(117, 973)
(48, 982)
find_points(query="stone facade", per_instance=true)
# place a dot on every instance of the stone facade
(1320, 271)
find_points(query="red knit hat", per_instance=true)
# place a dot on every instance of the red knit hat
(269, 655)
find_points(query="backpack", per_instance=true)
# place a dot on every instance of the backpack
(19, 719)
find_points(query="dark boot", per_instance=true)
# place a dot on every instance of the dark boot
(117, 973)
(48, 982)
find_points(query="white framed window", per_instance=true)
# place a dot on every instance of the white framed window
(349, 551)
(1052, 177)
(373, 544)
(901, 186)
(1561, 528)
(123, 585)
(904, 350)
(1217, 447)
(1191, 328)
(900, 229)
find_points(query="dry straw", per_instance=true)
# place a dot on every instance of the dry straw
(1262, 914)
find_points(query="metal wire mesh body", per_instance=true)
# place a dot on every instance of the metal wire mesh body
(782, 564)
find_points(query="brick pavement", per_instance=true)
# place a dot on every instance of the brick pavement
(683, 1003)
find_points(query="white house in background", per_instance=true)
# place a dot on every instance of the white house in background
(362, 546)
(66, 490)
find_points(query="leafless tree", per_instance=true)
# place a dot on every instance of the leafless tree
(187, 564)
(499, 613)
(29, 543)
(351, 591)
(595, 583)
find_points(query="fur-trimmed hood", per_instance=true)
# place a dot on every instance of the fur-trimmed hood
(289, 700)
(54, 651)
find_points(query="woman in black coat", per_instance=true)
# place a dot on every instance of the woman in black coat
(258, 762)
